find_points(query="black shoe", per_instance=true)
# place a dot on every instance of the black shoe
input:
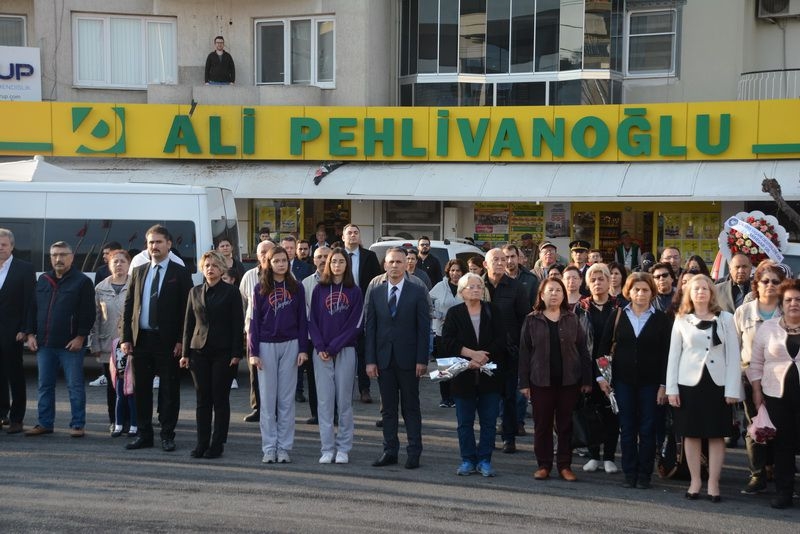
(630, 482)
(644, 483)
(312, 421)
(197, 452)
(116, 433)
(692, 496)
(412, 462)
(509, 446)
(4, 421)
(252, 417)
(299, 397)
(781, 501)
(714, 498)
(140, 443)
(167, 445)
(213, 452)
(385, 459)
(379, 423)
(755, 485)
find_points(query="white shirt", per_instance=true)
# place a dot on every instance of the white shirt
(4, 270)
(354, 257)
(144, 316)
(399, 287)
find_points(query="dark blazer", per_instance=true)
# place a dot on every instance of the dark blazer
(368, 268)
(301, 269)
(17, 300)
(458, 333)
(639, 360)
(226, 319)
(403, 338)
(171, 304)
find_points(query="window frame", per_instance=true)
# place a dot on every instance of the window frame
(673, 72)
(24, 22)
(106, 20)
(286, 22)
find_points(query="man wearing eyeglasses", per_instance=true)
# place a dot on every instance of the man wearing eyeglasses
(65, 314)
(664, 277)
(220, 69)
(672, 255)
(731, 292)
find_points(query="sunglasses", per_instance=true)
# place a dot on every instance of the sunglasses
(660, 276)
(768, 281)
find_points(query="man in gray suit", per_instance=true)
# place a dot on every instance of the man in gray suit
(731, 292)
(397, 327)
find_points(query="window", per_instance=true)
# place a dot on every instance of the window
(124, 52)
(295, 52)
(652, 43)
(12, 30)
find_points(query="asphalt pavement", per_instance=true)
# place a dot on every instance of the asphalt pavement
(55, 483)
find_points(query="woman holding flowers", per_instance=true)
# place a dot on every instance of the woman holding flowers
(774, 373)
(639, 369)
(703, 379)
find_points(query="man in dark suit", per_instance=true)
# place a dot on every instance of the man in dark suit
(17, 311)
(152, 331)
(365, 268)
(397, 329)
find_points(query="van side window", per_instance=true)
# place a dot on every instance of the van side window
(87, 237)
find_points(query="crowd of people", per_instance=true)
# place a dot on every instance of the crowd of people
(680, 348)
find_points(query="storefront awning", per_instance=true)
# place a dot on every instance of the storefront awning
(567, 182)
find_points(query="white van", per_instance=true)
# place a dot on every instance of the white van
(88, 215)
(443, 251)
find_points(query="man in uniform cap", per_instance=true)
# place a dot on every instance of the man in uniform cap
(579, 252)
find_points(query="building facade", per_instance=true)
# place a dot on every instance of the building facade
(347, 55)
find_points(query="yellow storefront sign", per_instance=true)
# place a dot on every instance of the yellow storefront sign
(652, 132)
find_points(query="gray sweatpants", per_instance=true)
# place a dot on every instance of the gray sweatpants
(277, 381)
(335, 390)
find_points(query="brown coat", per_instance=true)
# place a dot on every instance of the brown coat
(534, 352)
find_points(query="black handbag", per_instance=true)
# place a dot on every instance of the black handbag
(587, 424)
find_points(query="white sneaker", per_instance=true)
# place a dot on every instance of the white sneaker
(99, 381)
(592, 465)
(326, 458)
(156, 382)
(342, 458)
(269, 457)
(235, 384)
(610, 467)
(283, 457)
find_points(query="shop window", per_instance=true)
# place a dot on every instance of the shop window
(295, 51)
(409, 219)
(12, 30)
(652, 43)
(281, 217)
(124, 52)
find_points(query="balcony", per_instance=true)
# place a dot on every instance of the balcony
(769, 84)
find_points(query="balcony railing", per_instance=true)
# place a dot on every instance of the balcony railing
(769, 84)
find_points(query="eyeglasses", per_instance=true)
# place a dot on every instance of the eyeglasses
(660, 276)
(768, 281)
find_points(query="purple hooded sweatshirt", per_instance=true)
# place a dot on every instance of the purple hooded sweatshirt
(277, 317)
(335, 317)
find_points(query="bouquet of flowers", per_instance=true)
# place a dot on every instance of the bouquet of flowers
(447, 368)
(754, 234)
(761, 429)
(604, 366)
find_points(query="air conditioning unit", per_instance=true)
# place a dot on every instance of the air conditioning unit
(774, 9)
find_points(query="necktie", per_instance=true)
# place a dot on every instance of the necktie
(393, 301)
(739, 298)
(153, 318)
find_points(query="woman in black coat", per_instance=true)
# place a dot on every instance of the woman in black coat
(474, 330)
(638, 369)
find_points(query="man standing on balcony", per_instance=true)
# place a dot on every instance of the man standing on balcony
(219, 65)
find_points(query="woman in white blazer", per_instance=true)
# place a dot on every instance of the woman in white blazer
(774, 373)
(703, 379)
(444, 296)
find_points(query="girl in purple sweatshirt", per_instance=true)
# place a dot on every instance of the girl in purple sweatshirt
(278, 330)
(334, 325)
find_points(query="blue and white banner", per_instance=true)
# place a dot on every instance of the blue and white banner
(20, 74)
(754, 234)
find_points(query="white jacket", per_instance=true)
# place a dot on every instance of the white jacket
(442, 299)
(691, 350)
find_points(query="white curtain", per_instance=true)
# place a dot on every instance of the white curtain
(126, 52)
(91, 51)
(162, 64)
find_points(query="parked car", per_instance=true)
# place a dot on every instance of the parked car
(443, 251)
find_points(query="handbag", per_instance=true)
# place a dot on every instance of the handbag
(587, 424)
